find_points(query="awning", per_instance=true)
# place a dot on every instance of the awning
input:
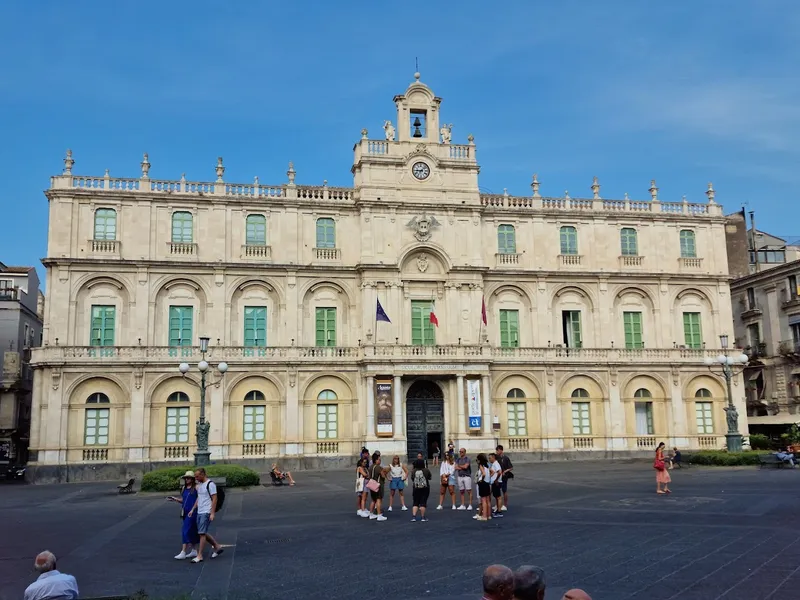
(753, 375)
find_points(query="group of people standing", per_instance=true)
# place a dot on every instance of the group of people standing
(198, 502)
(491, 475)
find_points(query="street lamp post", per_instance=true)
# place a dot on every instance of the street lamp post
(727, 363)
(202, 456)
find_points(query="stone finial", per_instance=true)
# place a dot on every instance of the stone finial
(535, 186)
(107, 174)
(626, 197)
(68, 162)
(711, 193)
(595, 188)
(566, 195)
(653, 190)
(471, 139)
(145, 167)
(364, 133)
(324, 183)
(220, 168)
(683, 198)
(183, 177)
(255, 181)
(389, 131)
(291, 172)
(417, 76)
(505, 192)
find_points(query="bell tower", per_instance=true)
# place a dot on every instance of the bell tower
(417, 114)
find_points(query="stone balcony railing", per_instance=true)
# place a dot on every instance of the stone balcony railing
(457, 353)
(504, 259)
(327, 254)
(104, 246)
(569, 260)
(688, 263)
(627, 261)
(253, 251)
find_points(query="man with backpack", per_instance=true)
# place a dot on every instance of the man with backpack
(209, 500)
(421, 482)
(505, 464)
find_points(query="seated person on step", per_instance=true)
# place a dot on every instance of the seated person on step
(281, 475)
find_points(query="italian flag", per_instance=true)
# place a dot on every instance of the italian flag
(433, 318)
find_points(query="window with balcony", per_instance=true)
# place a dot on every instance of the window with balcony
(177, 426)
(688, 245)
(571, 328)
(692, 330)
(509, 329)
(102, 333)
(629, 241)
(569, 240)
(795, 327)
(581, 414)
(794, 291)
(326, 233)
(704, 413)
(180, 325)
(327, 416)
(751, 298)
(254, 423)
(754, 335)
(422, 330)
(506, 240)
(96, 422)
(643, 410)
(517, 419)
(256, 230)
(326, 326)
(105, 224)
(255, 326)
(632, 322)
(182, 229)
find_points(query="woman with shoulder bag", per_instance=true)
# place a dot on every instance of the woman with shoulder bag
(484, 488)
(191, 539)
(377, 477)
(447, 474)
(662, 476)
(361, 488)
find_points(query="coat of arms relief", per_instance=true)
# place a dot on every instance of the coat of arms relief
(423, 227)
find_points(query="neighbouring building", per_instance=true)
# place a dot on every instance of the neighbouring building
(21, 305)
(599, 314)
(766, 309)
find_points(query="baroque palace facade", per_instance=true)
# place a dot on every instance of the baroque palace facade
(599, 314)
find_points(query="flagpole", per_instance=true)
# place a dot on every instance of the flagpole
(375, 330)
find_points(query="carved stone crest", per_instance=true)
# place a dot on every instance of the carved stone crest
(423, 227)
(422, 263)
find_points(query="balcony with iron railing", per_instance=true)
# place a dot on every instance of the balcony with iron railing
(752, 310)
(789, 348)
(10, 294)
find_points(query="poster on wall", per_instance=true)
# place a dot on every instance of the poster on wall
(474, 404)
(384, 401)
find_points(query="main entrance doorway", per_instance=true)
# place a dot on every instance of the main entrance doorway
(424, 418)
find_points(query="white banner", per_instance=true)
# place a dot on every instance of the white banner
(474, 403)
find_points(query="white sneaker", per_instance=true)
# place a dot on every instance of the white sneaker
(462, 507)
(439, 507)
(453, 507)
(181, 556)
(390, 509)
(381, 518)
(404, 507)
(469, 507)
(358, 512)
(476, 516)
(373, 516)
(364, 513)
(192, 554)
(504, 509)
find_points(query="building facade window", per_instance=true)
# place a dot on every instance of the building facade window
(326, 327)
(794, 291)
(105, 224)
(177, 426)
(96, 422)
(254, 424)
(753, 335)
(569, 240)
(515, 393)
(509, 329)
(422, 330)
(182, 229)
(581, 414)
(517, 421)
(102, 333)
(632, 322)
(506, 240)
(643, 410)
(255, 326)
(180, 325)
(692, 330)
(688, 245)
(629, 241)
(571, 327)
(256, 230)
(751, 298)
(704, 415)
(326, 233)
(327, 416)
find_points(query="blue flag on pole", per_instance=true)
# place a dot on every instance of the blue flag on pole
(380, 314)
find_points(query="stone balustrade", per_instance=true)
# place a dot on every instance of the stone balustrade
(564, 204)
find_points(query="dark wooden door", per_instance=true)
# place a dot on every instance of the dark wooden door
(424, 416)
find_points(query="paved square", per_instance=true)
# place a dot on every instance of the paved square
(723, 533)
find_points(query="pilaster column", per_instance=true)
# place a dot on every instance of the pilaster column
(462, 420)
(679, 430)
(616, 419)
(397, 389)
(136, 440)
(370, 408)
(487, 405)
(292, 430)
(552, 429)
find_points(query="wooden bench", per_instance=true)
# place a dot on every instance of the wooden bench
(770, 460)
(126, 488)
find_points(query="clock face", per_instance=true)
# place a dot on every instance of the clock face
(421, 170)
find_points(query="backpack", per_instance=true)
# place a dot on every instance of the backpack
(220, 496)
(420, 481)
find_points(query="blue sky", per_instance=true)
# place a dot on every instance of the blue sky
(682, 92)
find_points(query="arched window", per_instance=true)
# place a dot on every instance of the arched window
(327, 416)
(580, 393)
(256, 230)
(515, 393)
(517, 414)
(644, 412)
(95, 431)
(254, 423)
(688, 245)
(326, 233)
(178, 397)
(182, 227)
(642, 393)
(177, 427)
(702, 393)
(628, 240)
(105, 224)
(704, 412)
(506, 240)
(581, 414)
(569, 240)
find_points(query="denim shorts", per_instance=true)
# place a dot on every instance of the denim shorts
(203, 522)
(451, 480)
(397, 483)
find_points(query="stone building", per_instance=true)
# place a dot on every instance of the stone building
(599, 314)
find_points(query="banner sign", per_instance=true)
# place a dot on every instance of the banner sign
(474, 404)
(384, 401)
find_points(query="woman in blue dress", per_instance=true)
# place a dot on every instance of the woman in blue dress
(191, 539)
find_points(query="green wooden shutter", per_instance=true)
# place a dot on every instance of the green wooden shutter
(326, 327)
(102, 333)
(688, 246)
(326, 233)
(692, 330)
(255, 326)
(629, 242)
(182, 227)
(180, 325)
(256, 226)
(506, 240)
(633, 329)
(574, 328)
(423, 332)
(509, 328)
(569, 240)
(105, 224)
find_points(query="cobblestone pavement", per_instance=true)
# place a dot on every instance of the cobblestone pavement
(723, 533)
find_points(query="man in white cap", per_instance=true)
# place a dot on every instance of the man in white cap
(51, 583)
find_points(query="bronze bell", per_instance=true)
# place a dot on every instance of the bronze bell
(417, 125)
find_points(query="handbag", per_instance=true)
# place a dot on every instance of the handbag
(373, 485)
(359, 484)
(659, 464)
